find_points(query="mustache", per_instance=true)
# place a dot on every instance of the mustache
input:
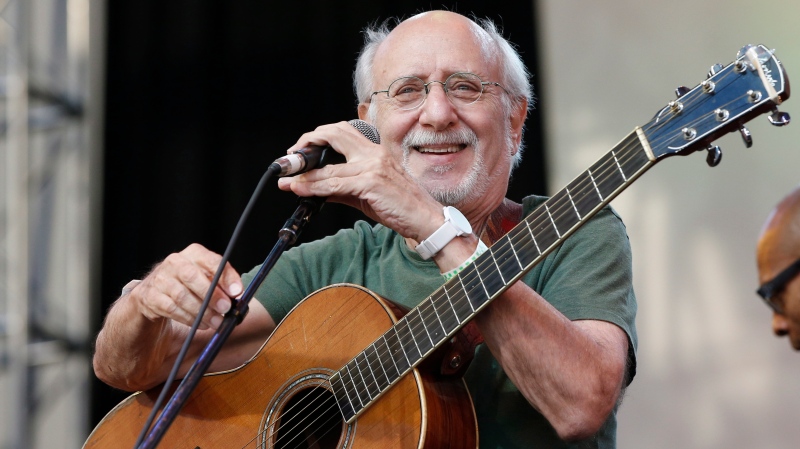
(421, 138)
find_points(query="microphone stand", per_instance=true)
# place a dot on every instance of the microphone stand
(287, 237)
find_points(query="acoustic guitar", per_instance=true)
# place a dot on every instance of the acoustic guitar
(348, 369)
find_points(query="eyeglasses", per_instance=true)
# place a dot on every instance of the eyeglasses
(769, 290)
(462, 88)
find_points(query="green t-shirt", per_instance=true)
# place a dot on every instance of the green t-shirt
(588, 277)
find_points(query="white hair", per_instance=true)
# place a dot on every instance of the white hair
(514, 75)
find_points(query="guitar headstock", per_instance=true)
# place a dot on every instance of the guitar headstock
(754, 84)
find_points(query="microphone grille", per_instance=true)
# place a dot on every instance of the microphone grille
(369, 131)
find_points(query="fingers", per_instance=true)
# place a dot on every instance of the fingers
(342, 136)
(175, 289)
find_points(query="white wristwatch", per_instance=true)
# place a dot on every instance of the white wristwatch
(455, 225)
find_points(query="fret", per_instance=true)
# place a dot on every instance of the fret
(436, 312)
(376, 367)
(634, 160)
(506, 261)
(368, 376)
(505, 242)
(407, 341)
(458, 298)
(489, 274)
(388, 364)
(543, 229)
(572, 201)
(606, 175)
(431, 320)
(533, 237)
(352, 381)
(619, 166)
(566, 214)
(342, 399)
(584, 193)
(445, 312)
(473, 287)
(521, 241)
(547, 208)
(418, 330)
(594, 183)
(497, 265)
(399, 355)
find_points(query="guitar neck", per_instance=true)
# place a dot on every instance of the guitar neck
(437, 318)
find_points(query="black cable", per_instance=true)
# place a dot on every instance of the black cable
(272, 170)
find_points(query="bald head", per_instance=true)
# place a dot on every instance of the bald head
(485, 33)
(779, 243)
(453, 26)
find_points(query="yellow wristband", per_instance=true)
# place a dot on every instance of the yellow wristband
(478, 251)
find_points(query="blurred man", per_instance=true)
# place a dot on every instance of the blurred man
(778, 258)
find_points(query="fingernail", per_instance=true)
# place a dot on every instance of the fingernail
(222, 306)
(235, 289)
(216, 321)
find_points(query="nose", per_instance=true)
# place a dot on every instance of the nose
(780, 325)
(437, 111)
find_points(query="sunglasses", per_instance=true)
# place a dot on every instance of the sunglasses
(769, 290)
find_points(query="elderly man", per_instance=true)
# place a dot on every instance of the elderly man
(449, 98)
(778, 258)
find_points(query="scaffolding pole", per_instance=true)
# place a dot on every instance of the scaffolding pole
(49, 217)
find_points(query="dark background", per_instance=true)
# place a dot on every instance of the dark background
(203, 95)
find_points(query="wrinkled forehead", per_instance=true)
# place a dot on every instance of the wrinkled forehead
(434, 46)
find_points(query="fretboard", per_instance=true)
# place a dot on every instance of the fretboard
(438, 317)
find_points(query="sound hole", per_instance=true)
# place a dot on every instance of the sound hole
(309, 420)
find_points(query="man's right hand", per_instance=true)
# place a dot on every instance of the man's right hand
(146, 327)
(175, 289)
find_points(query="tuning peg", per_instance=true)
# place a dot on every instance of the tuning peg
(681, 91)
(746, 136)
(714, 155)
(779, 118)
(714, 70)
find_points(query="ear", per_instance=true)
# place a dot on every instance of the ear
(363, 109)
(519, 113)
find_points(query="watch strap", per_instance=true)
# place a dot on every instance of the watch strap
(454, 225)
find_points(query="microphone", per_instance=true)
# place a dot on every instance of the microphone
(314, 156)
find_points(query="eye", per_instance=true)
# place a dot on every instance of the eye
(464, 86)
(406, 88)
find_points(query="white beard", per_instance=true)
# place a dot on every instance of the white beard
(450, 195)
(472, 186)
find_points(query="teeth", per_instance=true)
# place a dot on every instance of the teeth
(438, 150)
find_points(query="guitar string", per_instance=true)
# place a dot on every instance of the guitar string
(331, 412)
(561, 206)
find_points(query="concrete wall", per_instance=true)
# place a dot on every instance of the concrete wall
(711, 374)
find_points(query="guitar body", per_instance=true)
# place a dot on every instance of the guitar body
(266, 402)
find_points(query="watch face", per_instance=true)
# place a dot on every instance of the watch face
(458, 219)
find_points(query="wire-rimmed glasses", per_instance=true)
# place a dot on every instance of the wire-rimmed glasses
(462, 88)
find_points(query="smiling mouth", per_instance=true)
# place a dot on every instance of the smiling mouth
(440, 149)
